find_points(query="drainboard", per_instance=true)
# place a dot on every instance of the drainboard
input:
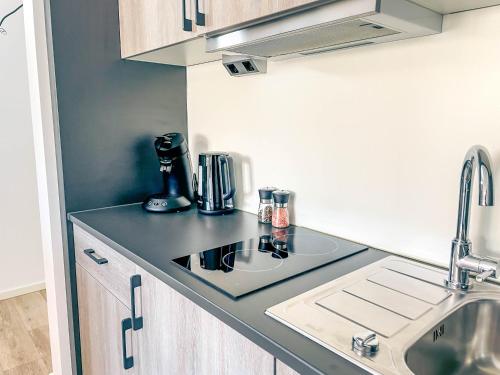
(364, 313)
(399, 299)
(409, 286)
(392, 300)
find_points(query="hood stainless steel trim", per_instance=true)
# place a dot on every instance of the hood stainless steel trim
(335, 25)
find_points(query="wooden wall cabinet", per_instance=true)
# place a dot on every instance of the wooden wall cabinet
(152, 24)
(155, 30)
(228, 14)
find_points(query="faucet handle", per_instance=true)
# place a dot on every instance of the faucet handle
(484, 275)
(487, 268)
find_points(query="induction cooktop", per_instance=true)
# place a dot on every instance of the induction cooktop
(246, 266)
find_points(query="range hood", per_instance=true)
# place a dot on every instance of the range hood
(332, 26)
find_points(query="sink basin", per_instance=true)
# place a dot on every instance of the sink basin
(422, 327)
(466, 342)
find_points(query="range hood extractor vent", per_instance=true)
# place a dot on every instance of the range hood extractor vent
(334, 26)
(325, 36)
(335, 48)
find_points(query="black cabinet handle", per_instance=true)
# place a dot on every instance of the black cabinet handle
(187, 23)
(128, 362)
(90, 253)
(200, 17)
(137, 321)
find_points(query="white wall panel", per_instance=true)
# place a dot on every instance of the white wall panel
(21, 265)
(371, 140)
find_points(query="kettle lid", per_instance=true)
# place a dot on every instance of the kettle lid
(211, 157)
(214, 153)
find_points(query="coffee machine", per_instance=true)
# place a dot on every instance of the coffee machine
(216, 184)
(177, 174)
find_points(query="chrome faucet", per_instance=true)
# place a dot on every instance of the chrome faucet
(462, 261)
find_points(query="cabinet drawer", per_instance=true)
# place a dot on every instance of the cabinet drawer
(108, 267)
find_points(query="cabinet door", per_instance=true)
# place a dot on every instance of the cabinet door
(152, 24)
(180, 337)
(226, 14)
(101, 315)
(223, 351)
(167, 341)
(282, 369)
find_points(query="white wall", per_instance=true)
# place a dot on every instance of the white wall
(371, 140)
(21, 265)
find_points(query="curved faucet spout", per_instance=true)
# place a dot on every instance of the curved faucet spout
(477, 157)
(462, 261)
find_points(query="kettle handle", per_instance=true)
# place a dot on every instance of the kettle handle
(195, 186)
(228, 188)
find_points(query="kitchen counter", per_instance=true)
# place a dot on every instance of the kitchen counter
(152, 240)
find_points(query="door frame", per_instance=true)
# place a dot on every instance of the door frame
(45, 123)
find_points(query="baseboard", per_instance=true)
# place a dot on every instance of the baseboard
(10, 293)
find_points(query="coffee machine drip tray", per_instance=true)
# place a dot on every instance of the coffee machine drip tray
(246, 266)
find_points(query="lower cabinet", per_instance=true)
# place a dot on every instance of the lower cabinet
(282, 369)
(181, 338)
(222, 350)
(132, 323)
(104, 323)
(166, 344)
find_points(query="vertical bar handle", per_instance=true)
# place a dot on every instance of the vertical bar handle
(137, 321)
(187, 24)
(128, 361)
(200, 16)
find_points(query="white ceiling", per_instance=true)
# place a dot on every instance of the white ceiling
(453, 6)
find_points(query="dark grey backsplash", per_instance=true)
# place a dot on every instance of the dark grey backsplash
(109, 112)
(109, 109)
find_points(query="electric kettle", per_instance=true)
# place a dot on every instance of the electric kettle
(216, 185)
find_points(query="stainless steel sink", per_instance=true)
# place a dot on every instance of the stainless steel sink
(421, 326)
(465, 342)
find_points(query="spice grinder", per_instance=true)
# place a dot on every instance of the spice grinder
(265, 213)
(281, 218)
(216, 184)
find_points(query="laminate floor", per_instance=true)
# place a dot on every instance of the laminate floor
(24, 335)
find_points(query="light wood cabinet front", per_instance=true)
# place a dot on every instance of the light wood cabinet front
(226, 14)
(154, 30)
(101, 315)
(222, 350)
(167, 341)
(282, 369)
(110, 269)
(177, 336)
(181, 338)
(146, 25)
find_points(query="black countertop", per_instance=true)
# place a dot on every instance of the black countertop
(152, 240)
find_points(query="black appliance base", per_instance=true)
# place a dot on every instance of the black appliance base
(164, 203)
(217, 212)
